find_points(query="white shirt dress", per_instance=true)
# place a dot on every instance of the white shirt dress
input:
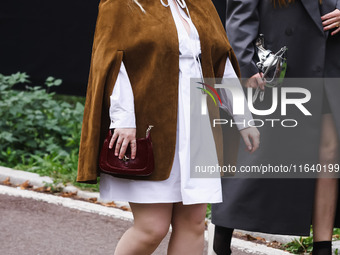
(179, 187)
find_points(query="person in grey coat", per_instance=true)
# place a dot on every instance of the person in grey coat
(311, 31)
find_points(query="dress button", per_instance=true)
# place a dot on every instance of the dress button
(289, 31)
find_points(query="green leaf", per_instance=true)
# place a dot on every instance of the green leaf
(50, 79)
(58, 82)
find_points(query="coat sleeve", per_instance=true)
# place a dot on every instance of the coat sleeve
(242, 26)
(337, 4)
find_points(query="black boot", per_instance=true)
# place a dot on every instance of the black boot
(222, 240)
(322, 248)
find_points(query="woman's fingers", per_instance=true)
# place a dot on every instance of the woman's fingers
(251, 83)
(124, 137)
(259, 82)
(336, 31)
(331, 21)
(256, 142)
(330, 15)
(123, 148)
(247, 142)
(331, 26)
(118, 145)
(113, 139)
(133, 145)
(256, 81)
(251, 138)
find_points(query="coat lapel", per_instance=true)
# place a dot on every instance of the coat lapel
(312, 7)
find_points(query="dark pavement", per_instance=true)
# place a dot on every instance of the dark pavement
(34, 227)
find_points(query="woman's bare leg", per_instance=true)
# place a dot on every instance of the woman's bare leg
(188, 224)
(326, 189)
(151, 224)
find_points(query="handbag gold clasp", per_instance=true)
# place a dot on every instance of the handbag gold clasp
(125, 158)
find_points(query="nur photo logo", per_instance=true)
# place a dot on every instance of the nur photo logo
(209, 93)
(206, 92)
(284, 103)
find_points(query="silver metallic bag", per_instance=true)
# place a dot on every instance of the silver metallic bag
(272, 65)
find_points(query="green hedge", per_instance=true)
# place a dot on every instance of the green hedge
(39, 130)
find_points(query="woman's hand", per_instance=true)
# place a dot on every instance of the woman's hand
(331, 21)
(124, 136)
(256, 81)
(251, 137)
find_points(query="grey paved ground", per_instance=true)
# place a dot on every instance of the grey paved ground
(33, 227)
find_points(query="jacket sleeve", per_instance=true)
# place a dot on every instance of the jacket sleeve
(337, 4)
(242, 26)
(122, 114)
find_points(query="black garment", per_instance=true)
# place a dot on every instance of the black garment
(322, 248)
(281, 206)
(325, 104)
(222, 240)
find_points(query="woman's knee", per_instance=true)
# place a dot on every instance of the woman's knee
(329, 144)
(153, 233)
(191, 220)
(329, 152)
(151, 221)
(198, 225)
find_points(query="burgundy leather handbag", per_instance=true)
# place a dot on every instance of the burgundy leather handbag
(142, 165)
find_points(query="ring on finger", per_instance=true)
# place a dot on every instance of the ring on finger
(337, 24)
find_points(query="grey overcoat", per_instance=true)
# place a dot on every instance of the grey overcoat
(281, 206)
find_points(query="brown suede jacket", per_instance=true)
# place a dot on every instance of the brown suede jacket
(147, 43)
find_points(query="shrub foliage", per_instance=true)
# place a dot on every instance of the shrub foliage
(39, 130)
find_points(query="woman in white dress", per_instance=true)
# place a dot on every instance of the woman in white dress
(179, 201)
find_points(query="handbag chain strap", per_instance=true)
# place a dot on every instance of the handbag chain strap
(148, 130)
